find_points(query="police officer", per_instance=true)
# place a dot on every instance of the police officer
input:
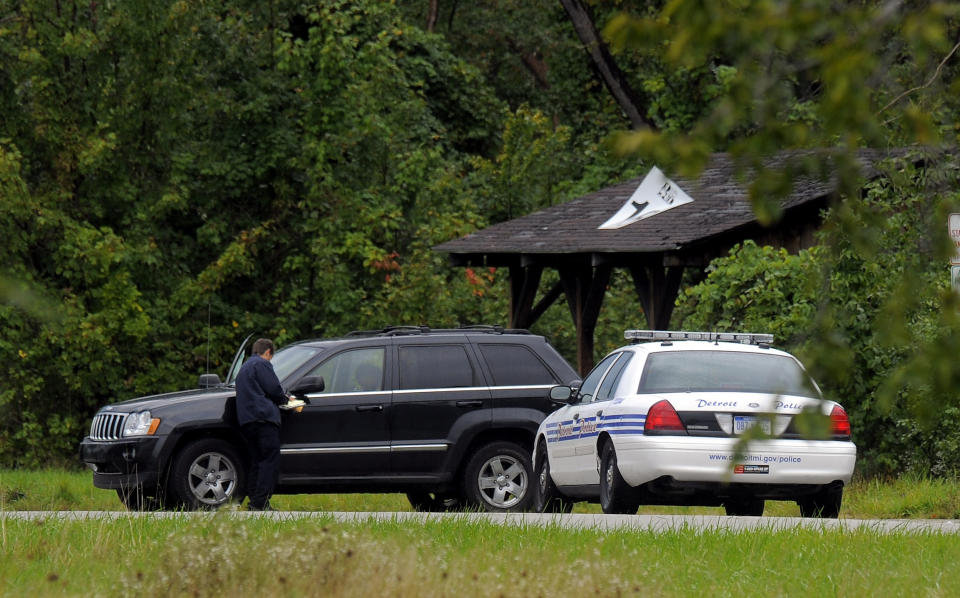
(258, 395)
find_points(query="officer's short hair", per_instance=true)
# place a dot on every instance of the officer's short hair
(262, 345)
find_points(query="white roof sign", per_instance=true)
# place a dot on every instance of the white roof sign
(655, 194)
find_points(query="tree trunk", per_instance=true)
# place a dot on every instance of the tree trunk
(432, 13)
(612, 75)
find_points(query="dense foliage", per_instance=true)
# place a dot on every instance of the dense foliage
(175, 175)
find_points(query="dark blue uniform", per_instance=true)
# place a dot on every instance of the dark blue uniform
(258, 394)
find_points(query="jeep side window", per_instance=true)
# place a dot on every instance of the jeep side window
(434, 366)
(515, 365)
(589, 386)
(358, 370)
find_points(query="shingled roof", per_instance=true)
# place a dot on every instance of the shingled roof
(720, 205)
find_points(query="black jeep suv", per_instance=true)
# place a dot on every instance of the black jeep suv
(446, 416)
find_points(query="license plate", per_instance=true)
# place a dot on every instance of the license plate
(742, 423)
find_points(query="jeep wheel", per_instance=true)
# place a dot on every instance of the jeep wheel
(547, 498)
(616, 496)
(207, 474)
(431, 502)
(498, 478)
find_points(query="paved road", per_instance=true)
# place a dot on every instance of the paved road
(657, 523)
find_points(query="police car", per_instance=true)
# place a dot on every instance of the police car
(694, 418)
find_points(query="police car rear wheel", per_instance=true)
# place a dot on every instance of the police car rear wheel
(547, 499)
(825, 503)
(498, 478)
(616, 495)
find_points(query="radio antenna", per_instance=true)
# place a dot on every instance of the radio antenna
(208, 335)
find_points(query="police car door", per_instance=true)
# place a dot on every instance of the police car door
(593, 422)
(569, 448)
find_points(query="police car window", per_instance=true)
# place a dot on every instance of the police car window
(357, 370)
(725, 371)
(589, 386)
(434, 366)
(515, 365)
(612, 380)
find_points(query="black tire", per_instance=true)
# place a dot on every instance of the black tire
(431, 502)
(207, 474)
(824, 504)
(547, 499)
(616, 495)
(136, 499)
(499, 478)
(744, 507)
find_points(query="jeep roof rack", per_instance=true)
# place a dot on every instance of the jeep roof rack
(413, 330)
(746, 338)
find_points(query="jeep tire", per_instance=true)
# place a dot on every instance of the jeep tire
(207, 474)
(499, 478)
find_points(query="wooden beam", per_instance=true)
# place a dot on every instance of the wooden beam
(524, 283)
(657, 289)
(585, 289)
(544, 304)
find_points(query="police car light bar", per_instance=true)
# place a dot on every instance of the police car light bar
(745, 338)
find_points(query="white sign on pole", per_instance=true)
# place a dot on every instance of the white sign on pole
(954, 227)
(655, 194)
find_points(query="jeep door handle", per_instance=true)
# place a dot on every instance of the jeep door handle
(469, 403)
(369, 407)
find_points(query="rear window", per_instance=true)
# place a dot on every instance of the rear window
(515, 365)
(724, 371)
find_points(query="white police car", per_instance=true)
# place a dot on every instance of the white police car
(694, 418)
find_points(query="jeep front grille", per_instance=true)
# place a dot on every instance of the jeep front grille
(107, 426)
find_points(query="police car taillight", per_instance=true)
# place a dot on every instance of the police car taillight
(662, 418)
(839, 423)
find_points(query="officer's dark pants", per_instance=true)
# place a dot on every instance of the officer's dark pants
(263, 441)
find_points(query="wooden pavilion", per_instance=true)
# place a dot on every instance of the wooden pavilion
(655, 250)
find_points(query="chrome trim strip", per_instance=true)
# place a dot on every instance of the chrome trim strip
(335, 450)
(473, 388)
(321, 395)
(400, 448)
(353, 393)
(355, 450)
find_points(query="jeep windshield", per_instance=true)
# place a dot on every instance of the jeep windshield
(725, 371)
(285, 361)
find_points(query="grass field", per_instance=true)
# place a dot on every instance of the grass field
(216, 555)
(902, 498)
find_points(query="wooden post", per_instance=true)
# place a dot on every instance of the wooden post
(585, 288)
(657, 288)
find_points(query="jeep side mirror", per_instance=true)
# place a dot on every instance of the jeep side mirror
(307, 385)
(562, 394)
(208, 381)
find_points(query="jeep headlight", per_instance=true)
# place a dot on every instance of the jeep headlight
(140, 424)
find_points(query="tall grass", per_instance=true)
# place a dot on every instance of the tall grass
(218, 555)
